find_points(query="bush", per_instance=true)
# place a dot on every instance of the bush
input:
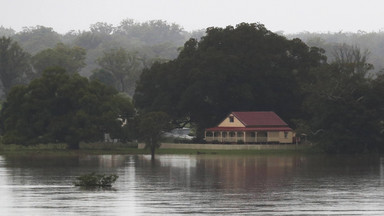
(93, 179)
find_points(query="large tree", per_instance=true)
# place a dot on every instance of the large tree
(14, 64)
(151, 127)
(123, 66)
(35, 39)
(69, 58)
(62, 108)
(345, 105)
(242, 68)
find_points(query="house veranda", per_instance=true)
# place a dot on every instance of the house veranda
(250, 127)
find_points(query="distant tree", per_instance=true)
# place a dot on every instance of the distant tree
(88, 40)
(152, 32)
(151, 127)
(124, 66)
(6, 32)
(59, 107)
(35, 39)
(14, 64)
(69, 58)
(102, 28)
(242, 68)
(103, 76)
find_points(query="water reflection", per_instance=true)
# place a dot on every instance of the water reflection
(382, 171)
(194, 184)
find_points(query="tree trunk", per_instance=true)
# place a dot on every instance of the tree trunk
(153, 148)
(73, 145)
(153, 153)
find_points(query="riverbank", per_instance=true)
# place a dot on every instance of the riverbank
(132, 148)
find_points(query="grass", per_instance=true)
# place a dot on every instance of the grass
(300, 150)
(62, 150)
(131, 148)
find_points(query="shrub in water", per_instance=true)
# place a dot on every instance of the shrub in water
(94, 179)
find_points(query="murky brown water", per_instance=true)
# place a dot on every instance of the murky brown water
(195, 185)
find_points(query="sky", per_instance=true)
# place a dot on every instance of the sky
(288, 16)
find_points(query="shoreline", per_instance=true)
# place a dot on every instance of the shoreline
(132, 149)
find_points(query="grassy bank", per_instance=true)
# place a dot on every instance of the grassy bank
(131, 148)
(62, 149)
(299, 150)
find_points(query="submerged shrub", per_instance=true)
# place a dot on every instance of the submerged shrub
(93, 179)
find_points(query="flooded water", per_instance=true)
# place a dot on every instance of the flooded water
(194, 185)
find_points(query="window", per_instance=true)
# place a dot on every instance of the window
(285, 134)
(209, 134)
(224, 134)
(231, 134)
(231, 119)
(240, 134)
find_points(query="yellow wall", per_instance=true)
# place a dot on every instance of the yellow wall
(235, 123)
(273, 136)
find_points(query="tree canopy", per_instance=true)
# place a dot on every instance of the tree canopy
(345, 105)
(151, 127)
(69, 58)
(14, 64)
(59, 107)
(123, 66)
(246, 67)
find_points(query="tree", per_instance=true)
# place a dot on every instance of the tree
(242, 68)
(35, 39)
(14, 64)
(6, 32)
(344, 105)
(103, 76)
(152, 32)
(151, 127)
(59, 107)
(69, 58)
(124, 66)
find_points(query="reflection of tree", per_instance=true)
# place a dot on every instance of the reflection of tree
(246, 172)
(53, 169)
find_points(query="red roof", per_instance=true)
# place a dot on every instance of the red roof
(249, 129)
(252, 119)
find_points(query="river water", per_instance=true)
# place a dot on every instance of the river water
(194, 185)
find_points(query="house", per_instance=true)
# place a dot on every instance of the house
(250, 127)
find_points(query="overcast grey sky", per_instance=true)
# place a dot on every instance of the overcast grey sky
(290, 16)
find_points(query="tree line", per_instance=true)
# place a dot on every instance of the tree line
(134, 45)
(335, 102)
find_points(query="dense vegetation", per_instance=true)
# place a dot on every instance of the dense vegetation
(325, 88)
(59, 107)
(136, 44)
(250, 68)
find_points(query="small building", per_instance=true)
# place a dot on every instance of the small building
(250, 127)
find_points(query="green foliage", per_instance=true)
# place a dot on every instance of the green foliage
(371, 41)
(98, 180)
(151, 127)
(124, 66)
(345, 106)
(242, 68)
(62, 108)
(71, 59)
(35, 39)
(6, 32)
(14, 64)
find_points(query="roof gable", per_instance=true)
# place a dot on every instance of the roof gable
(267, 118)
